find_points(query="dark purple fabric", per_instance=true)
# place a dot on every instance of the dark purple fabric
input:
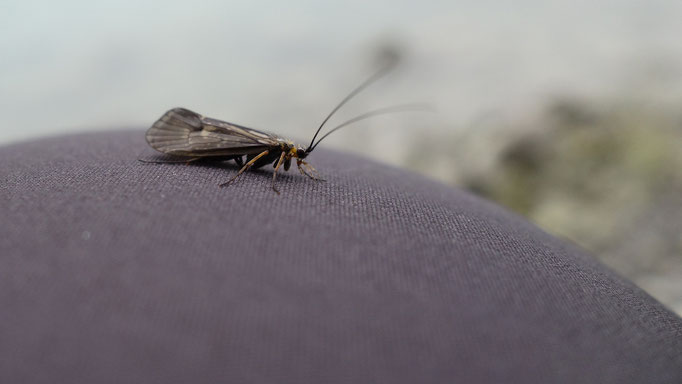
(114, 271)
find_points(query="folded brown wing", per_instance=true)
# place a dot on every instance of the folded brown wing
(181, 132)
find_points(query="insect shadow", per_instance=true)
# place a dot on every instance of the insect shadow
(207, 162)
(188, 137)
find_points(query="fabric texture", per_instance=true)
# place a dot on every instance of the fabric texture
(115, 271)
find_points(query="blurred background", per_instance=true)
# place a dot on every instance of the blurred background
(567, 112)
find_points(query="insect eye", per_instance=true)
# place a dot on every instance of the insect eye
(300, 153)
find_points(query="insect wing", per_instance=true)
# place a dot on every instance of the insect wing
(181, 132)
(240, 134)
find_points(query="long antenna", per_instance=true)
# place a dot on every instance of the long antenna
(381, 72)
(376, 112)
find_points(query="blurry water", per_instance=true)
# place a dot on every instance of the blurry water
(79, 65)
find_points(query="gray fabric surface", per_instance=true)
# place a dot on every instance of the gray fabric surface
(116, 271)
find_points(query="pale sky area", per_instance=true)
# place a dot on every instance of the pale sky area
(73, 66)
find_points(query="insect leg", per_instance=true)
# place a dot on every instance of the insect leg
(300, 169)
(313, 172)
(245, 167)
(274, 174)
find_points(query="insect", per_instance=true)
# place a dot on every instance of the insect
(190, 136)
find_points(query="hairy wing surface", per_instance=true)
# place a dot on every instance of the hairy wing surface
(181, 132)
